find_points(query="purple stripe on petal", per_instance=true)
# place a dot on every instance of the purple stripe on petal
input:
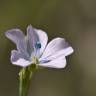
(44, 61)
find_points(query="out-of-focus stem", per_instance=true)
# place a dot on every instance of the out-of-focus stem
(24, 81)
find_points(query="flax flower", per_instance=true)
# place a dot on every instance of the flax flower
(33, 49)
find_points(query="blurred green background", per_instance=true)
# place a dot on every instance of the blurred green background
(74, 20)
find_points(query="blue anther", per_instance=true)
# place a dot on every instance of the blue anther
(37, 45)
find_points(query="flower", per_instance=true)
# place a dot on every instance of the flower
(33, 48)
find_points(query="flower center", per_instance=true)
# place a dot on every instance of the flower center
(35, 63)
(35, 60)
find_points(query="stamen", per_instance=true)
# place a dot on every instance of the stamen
(37, 45)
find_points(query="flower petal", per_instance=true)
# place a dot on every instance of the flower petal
(52, 60)
(18, 59)
(43, 39)
(55, 46)
(17, 37)
(55, 63)
(32, 38)
(58, 54)
(65, 52)
(36, 36)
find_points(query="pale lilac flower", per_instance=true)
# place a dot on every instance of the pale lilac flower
(33, 47)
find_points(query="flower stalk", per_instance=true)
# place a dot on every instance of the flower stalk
(25, 76)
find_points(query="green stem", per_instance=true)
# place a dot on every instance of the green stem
(24, 83)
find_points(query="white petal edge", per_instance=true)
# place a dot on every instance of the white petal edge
(68, 51)
(43, 39)
(57, 63)
(22, 62)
